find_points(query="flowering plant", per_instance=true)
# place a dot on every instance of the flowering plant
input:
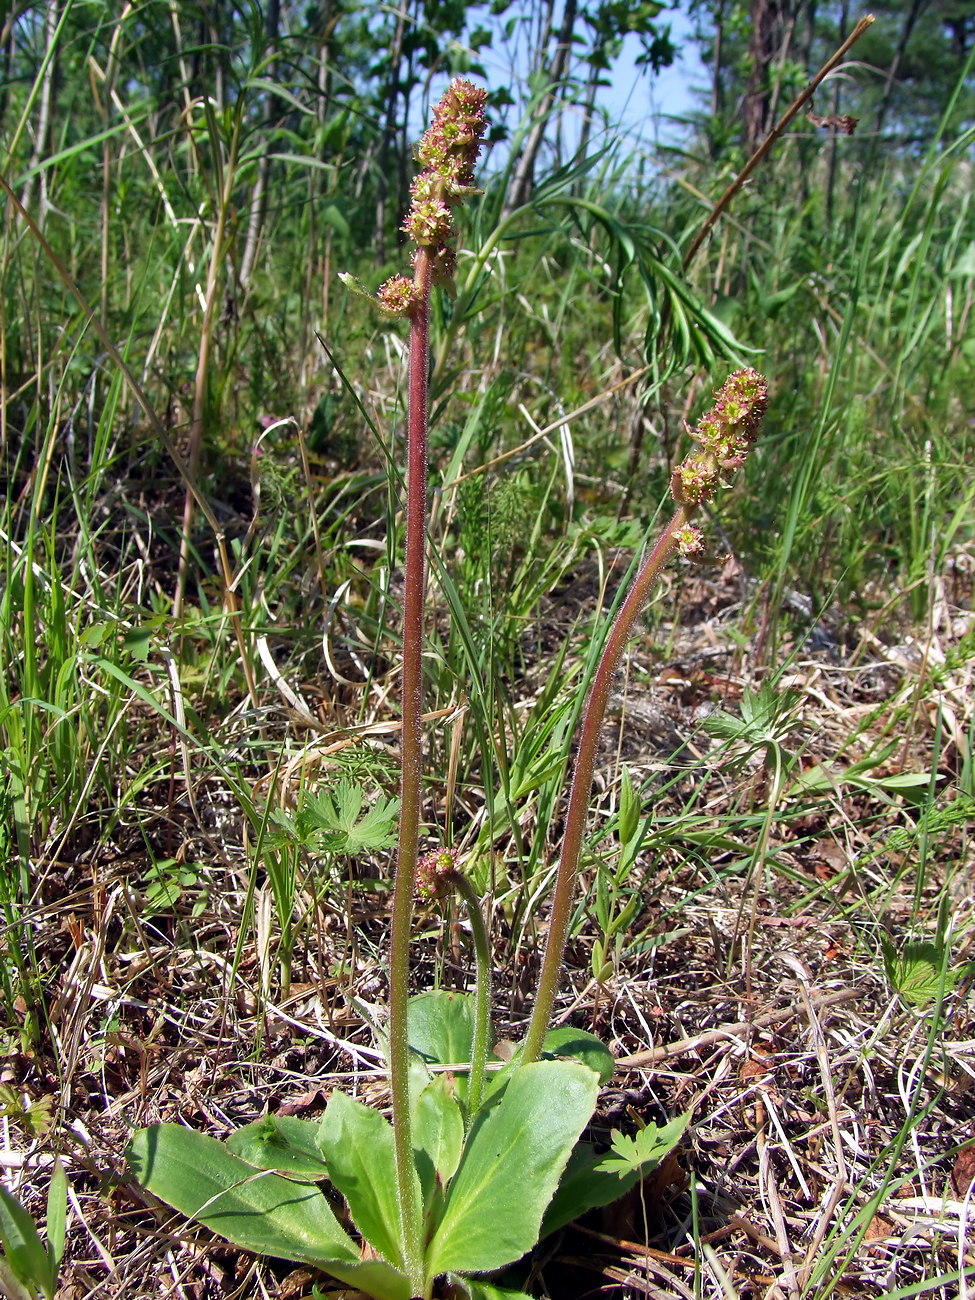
(481, 1157)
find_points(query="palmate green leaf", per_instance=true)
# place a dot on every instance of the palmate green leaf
(357, 1143)
(646, 1148)
(591, 1180)
(915, 970)
(333, 821)
(512, 1161)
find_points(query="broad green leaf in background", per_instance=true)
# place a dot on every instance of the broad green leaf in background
(512, 1162)
(560, 1044)
(440, 1029)
(581, 1046)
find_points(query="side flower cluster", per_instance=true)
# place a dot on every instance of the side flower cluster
(724, 437)
(436, 874)
(448, 151)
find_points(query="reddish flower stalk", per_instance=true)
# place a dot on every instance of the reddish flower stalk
(448, 151)
(724, 437)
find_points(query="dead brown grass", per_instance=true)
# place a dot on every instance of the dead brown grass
(830, 1150)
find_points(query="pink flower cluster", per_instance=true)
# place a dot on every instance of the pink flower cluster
(724, 437)
(435, 874)
(448, 151)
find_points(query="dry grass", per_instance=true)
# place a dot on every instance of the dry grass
(831, 1144)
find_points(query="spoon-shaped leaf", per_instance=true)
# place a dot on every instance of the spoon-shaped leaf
(511, 1165)
(254, 1209)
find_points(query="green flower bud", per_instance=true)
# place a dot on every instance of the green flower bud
(629, 807)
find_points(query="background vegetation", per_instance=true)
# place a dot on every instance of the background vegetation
(199, 607)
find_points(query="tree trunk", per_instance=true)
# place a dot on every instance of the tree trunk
(909, 21)
(45, 113)
(588, 111)
(259, 193)
(764, 42)
(6, 61)
(717, 89)
(520, 188)
(389, 132)
(832, 157)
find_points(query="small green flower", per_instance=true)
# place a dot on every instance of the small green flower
(429, 223)
(690, 541)
(694, 481)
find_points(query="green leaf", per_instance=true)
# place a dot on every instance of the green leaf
(629, 814)
(580, 1046)
(259, 1211)
(964, 267)
(916, 971)
(566, 1043)
(438, 1136)
(474, 1289)
(511, 1165)
(440, 1030)
(357, 1143)
(332, 216)
(332, 821)
(645, 1150)
(10, 1286)
(25, 1253)
(57, 1217)
(591, 1180)
(284, 1143)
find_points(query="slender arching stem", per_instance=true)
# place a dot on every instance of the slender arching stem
(723, 438)
(575, 822)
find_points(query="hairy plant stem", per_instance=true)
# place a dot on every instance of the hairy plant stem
(482, 993)
(411, 750)
(582, 776)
